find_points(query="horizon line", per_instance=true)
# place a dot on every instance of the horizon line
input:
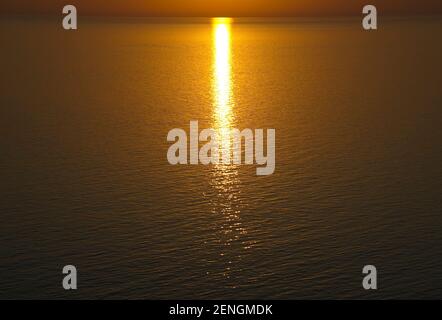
(390, 15)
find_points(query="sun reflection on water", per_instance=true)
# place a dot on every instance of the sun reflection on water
(226, 200)
(223, 98)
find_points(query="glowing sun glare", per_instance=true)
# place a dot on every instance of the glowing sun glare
(222, 71)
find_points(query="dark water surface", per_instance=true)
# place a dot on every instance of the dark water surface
(85, 179)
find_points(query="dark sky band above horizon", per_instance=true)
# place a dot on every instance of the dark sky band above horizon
(206, 8)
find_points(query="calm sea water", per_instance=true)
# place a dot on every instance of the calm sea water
(85, 179)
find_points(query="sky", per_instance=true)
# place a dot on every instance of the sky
(211, 8)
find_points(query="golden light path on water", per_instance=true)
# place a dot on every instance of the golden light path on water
(227, 201)
(223, 80)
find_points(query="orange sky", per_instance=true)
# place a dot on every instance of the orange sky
(221, 7)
